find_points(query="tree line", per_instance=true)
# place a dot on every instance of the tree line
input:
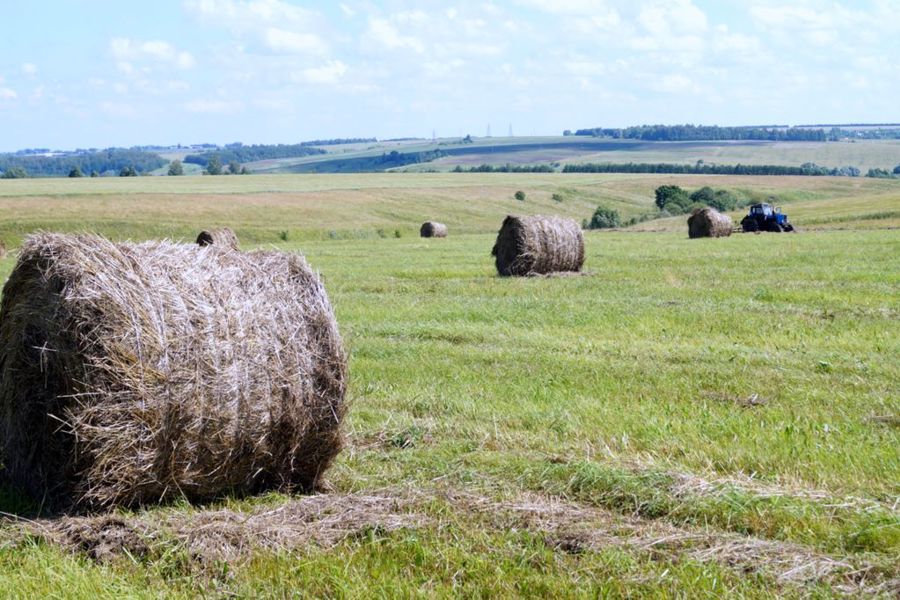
(701, 168)
(507, 168)
(244, 154)
(103, 162)
(692, 133)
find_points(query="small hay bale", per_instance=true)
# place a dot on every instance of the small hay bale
(708, 222)
(135, 373)
(221, 237)
(433, 229)
(538, 245)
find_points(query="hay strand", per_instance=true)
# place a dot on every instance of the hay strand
(134, 373)
(433, 229)
(708, 222)
(538, 245)
(221, 237)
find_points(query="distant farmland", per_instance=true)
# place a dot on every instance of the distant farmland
(883, 154)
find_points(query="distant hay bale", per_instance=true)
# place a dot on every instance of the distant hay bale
(708, 222)
(134, 373)
(538, 245)
(221, 237)
(433, 229)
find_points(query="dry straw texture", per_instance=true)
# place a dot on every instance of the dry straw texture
(538, 245)
(133, 373)
(708, 222)
(433, 229)
(222, 237)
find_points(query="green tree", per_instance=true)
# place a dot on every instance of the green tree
(176, 168)
(128, 172)
(672, 198)
(95, 174)
(214, 166)
(234, 167)
(75, 172)
(604, 218)
(14, 173)
(704, 195)
(520, 195)
(897, 170)
(245, 171)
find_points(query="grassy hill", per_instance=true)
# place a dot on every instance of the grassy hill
(692, 418)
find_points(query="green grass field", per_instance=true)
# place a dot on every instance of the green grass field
(692, 418)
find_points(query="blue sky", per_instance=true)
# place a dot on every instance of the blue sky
(79, 73)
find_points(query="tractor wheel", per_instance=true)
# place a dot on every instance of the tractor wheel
(773, 227)
(749, 225)
(788, 228)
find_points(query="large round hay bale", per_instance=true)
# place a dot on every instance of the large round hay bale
(708, 222)
(221, 237)
(433, 229)
(538, 245)
(133, 373)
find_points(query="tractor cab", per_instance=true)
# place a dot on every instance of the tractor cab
(765, 217)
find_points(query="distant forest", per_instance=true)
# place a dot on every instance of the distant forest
(697, 133)
(245, 154)
(109, 161)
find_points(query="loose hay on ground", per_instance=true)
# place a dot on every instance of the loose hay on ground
(538, 245)
(433, 229)
(708, 222)
(222, 237)
(134, 373)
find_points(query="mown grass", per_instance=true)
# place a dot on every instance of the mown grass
(627, 390)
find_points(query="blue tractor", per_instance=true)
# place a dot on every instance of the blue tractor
(765, 217)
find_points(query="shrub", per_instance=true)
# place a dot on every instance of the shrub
(604, 218)
(283, 235)
(556, 197)
(520, 195)
(14, 173)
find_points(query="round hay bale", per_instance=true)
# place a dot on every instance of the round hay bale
(708, 222)
(135, 373)
(433, 229)
(221, 237)
(538, 245)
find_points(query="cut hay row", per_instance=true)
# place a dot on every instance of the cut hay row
(433, 229)
(210, 537)
(538, 245)
(134, 373)
(708, 222)
(222, 237)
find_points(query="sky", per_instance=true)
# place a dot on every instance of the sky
(100, 73)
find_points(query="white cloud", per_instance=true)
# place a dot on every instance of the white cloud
(666, 17)
(29, 69)
(8, 94)
(212, 106)
(290, 42)
(126, 51)
(329, 73)
(383, 32)
(348, 11)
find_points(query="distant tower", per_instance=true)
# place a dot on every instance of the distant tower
(510, 130)
(489, 130)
